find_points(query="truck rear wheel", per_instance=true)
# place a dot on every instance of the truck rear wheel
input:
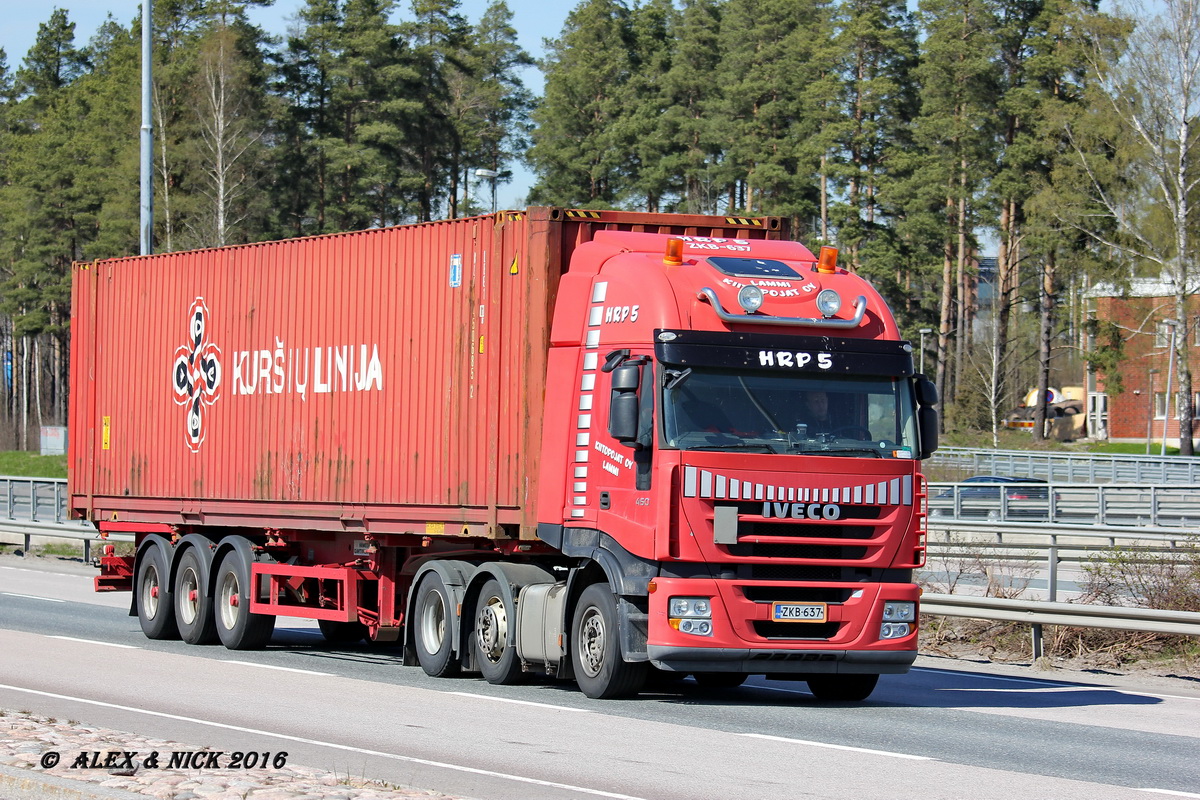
(845, 688)
(155, 602)
(193, 606)
(596, 650)
(434, 632)
(237, 627)
(496, 657)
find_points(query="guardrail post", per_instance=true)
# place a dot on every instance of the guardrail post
(33, 515)
(1036, 640)
(1052, 560)
(10, 499)
(28, 540)
(58, 502)
(87, 551)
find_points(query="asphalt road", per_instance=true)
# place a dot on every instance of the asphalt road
(946, 730)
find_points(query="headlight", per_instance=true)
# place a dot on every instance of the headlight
(750, 298)
(829, 302)
(689, 607)
(899, 612)
(690, 615)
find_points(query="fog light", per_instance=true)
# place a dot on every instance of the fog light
(829, 302)
(750, 298)
(899, 611)
(894, 630)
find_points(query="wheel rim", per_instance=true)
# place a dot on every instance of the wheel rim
(433, 621)
(229, 601)
(189, 596)
(150, 591)
(491, 629)
(592, 642)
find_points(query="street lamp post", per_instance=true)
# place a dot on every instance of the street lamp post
(1150, 413)
(923, 332)
(491, 175)
(1174, 323)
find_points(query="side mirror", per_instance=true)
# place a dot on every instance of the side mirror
(927, 419)
(624, 408)
(926, 391)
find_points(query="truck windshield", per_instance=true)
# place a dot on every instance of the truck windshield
(864, 417)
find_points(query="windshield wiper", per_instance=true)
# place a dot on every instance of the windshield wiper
(756, 448)
(870, 450)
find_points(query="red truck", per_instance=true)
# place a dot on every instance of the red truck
(593, 444)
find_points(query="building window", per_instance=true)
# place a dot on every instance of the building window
(1160, 405)
(1162, 335)
(1196, 331)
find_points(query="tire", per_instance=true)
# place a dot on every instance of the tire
(433, 635)
(193, 606)
(495, 624)
(342, 632)
(596, 651)
(720, 680)
(237, 627)
(155, 600)
(842, 688)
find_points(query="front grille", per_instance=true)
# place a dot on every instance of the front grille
(797, 594)
(793, 631)
(787, 572)
(801, 530)
(824, 552)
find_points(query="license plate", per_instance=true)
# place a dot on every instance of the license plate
(798, 612)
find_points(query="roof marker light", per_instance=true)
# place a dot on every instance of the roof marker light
(673, 257)
(827, 262)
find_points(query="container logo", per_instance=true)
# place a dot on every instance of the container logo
(197, 374)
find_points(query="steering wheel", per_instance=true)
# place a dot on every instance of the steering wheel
(852, 432)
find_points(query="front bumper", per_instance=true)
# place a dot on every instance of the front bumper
(780, 662)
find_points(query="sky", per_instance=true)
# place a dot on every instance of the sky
(534, 21)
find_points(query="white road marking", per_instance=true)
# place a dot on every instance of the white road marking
(1168, 791)
(33, 597)
(272, 666)
(332, 745)
(519, 702)
(838, 747)
(94, 641)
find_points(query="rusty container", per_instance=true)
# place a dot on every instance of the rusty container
(387, 381)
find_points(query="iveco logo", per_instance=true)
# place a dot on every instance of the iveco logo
(802, 510)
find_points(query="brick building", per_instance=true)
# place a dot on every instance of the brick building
(1137, 411)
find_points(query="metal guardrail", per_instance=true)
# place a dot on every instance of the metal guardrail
(1163, 505)
(1035, 612)
(1056, 466)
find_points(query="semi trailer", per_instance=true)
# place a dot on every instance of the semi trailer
(597, 445)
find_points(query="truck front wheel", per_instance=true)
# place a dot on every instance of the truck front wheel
(496, 657)
(596, 650)
(237, 628)
(842, 688)
(193, 606)
(433, 636)
(155, 603)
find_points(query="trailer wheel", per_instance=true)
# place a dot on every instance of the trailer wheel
(434, 634)
(193, 606)
(596, 651)
(497, 659)
(237, 627)
(155, 602)
(845, 688)
(342, 632)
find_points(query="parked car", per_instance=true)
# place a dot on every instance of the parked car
(979, 498)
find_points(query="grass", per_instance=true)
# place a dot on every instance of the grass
(31, 465)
